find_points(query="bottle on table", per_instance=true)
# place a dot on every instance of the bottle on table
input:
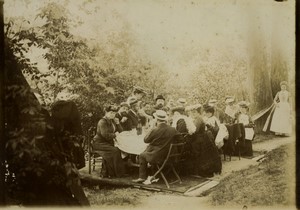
(139, 129)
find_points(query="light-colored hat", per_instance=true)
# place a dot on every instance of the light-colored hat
(132, 100)
(212, 101)
(244, 104)
(193, 107)
(160, 115)
(283, 83)
(124, 104)
(139, 89)
(229, 99)
(181, 101)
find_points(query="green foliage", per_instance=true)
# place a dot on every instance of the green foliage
(218, 80)
(96, 73)
(33, 161)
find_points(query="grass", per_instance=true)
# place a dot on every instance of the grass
(271, 183)
(111, 196)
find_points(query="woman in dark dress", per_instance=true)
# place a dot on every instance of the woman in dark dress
(122, 115)
(205, 155)
(107, 129)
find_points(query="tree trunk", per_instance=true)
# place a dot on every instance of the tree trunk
(279, 68)
(258, 69)
(2, 95)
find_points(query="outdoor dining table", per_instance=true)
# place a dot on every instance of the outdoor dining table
(130, 142)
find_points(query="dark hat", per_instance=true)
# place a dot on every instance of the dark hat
(124, 104)
(110, 108)
(138, 89)
(132, 100)
(208, 108)
(159, 97)
(283, 83)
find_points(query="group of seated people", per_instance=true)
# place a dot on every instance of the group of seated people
(198, 125)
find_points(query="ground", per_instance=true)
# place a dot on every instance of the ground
(275, 169)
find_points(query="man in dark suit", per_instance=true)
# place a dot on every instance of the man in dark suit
(159, 139)
(133, 115)
(159, 104)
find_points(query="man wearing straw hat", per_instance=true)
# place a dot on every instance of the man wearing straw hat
(133, 115)
(159, 139)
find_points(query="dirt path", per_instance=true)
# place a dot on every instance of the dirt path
(273, 143)
(235, 165)
(182, 202)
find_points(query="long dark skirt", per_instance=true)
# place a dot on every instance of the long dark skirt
(113, 165)
(207, 160)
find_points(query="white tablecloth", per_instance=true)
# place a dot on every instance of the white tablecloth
(130, 142)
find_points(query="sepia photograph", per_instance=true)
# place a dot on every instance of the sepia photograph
(148, 104)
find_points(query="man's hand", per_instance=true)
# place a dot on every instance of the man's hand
(153, 123)
(124, 119)
(117, 121)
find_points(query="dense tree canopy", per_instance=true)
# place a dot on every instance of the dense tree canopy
(104, 70)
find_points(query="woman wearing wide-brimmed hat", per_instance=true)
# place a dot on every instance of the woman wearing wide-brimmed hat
(281, 121)
(230, 110)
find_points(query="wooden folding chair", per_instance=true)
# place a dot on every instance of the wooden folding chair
(174, 156)
(96, 158)
(237, 146)
(93, 156)
(236, 141)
